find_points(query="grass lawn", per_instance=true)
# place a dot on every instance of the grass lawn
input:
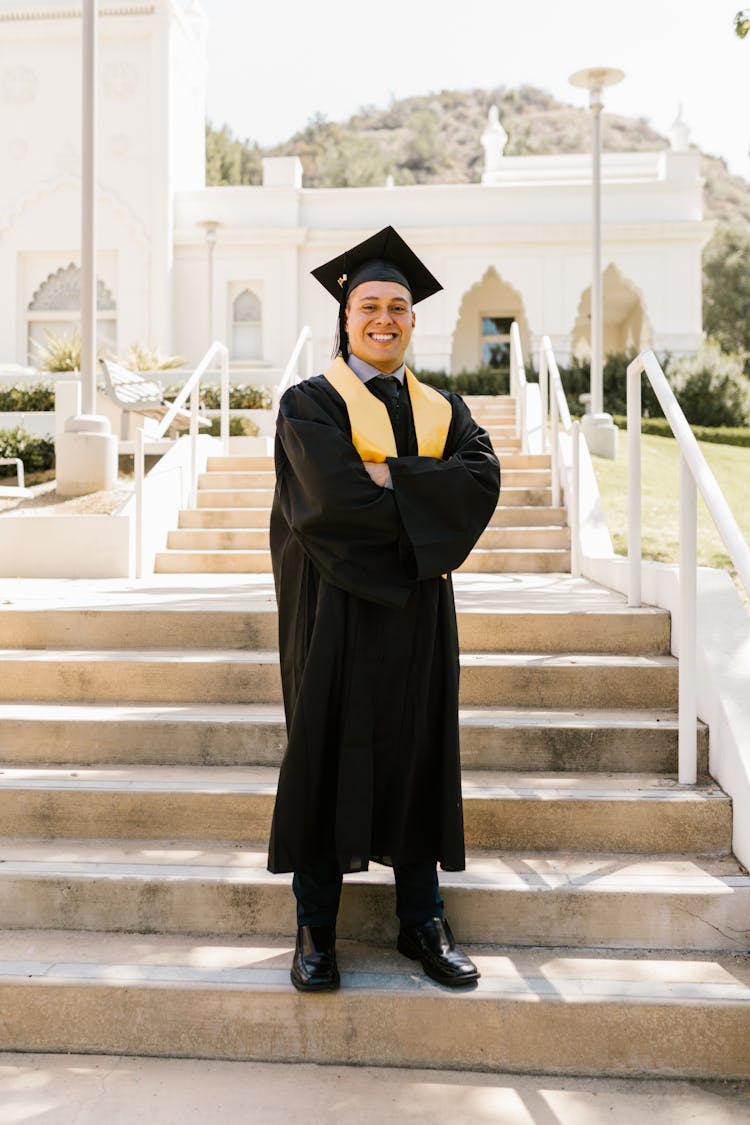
(660, 497)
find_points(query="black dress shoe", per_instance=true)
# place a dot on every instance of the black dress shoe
(314, 967)
(433, 944)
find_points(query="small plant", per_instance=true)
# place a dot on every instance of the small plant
(25, 398)
(36, 453)
(711, 387)
(61, 352)
(238, 427)
(140, 358)
(485, 381)
(241, 396)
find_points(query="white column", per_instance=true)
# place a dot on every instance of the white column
(88, 212)
(597, 378)
(86, 453)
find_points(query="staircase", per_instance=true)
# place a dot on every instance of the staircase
(141, 730)
(227, 533)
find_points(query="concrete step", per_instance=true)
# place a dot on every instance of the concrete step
(524, 515)
(240, 464)
(545, 560)
(244, 539)
(237, 676)
(577, 1012)
(644, 814)
(512, 497)
(526, 478)
(219, 479)
(209, 539)
(234, 498)
(229, 560)
(223, 561)
(123, 1090)
(500, 431)
(526, 461)
(526, 538)
(254, 734)
(583, 627)
(520, 899)
(225, 517)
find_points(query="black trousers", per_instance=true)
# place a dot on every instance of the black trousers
(318, 892)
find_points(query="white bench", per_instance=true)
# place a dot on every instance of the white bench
(12, 491)
(134, 394)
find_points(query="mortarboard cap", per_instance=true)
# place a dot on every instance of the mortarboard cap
(382, 257)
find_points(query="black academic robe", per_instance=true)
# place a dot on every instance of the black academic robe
(367, 635)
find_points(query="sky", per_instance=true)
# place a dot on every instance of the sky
(275, 65)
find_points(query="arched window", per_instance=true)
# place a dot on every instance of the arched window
(55, 309)
(247, 318)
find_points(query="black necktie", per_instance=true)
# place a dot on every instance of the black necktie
(390, 386)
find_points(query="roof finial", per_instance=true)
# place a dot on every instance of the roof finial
(679, 133)
(494, 140)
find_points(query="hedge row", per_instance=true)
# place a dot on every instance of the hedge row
(37, 453)
(718, 435)
(242, 396)
(25, 398)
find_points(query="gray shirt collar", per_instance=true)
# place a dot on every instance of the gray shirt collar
(365, 371)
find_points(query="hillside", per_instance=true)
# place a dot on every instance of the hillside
(435, 139)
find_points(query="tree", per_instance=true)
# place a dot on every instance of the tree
(726, 287)
(742, 23)
(230, 161)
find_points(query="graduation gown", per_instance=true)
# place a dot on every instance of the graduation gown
(367, 634)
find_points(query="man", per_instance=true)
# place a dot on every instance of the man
(383, 487)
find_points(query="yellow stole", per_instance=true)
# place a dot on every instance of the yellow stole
(372, 433)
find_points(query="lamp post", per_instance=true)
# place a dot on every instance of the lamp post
(600, 433)
(211, 227)
(86, 449)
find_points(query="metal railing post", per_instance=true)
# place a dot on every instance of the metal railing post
(634, 482)
(687, 737)
(139, 467)
(574, 515)
(224, 403)
(544, 393)
(555, 442)
(194, 403)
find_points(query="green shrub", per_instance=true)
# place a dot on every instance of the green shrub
(485, 381)
(36, 453)
(576, 381)
(711, 387)
(718, 435)
(242, 396)
(27, 397)
(238, 427)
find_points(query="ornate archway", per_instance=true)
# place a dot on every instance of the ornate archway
(480, 338)
(55, 310)
(625, 328)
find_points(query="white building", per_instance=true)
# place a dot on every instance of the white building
(516, 245)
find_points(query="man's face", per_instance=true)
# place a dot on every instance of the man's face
(379, 323)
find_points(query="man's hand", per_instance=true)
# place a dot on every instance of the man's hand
(379, 472)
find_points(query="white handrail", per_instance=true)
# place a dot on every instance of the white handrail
(291, 375)
(559, 412)
(694, 474)
(191, 389)
(574, 506)
(518, 384)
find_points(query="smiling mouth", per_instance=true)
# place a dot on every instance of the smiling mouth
(382, 337)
